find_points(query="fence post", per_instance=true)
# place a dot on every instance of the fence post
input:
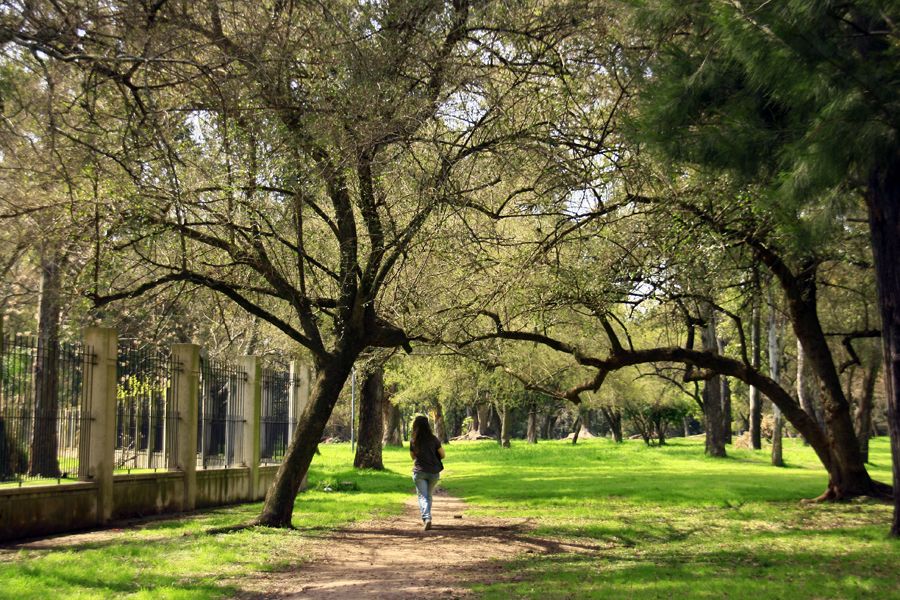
(104, 343)
(187, 384)
(252, 397)
(298, 395)
(298, 398)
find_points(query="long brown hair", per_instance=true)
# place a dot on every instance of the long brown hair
(421, 431)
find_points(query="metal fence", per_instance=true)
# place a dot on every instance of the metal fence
(274, 417)
(146, 419)
(220, 423)
(43, 414)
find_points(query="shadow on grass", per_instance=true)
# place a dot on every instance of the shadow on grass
(657, 573)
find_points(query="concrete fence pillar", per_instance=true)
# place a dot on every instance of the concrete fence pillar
(187, 384)
(252, 398)
(103, 342)
(298, 398)
(298, 395)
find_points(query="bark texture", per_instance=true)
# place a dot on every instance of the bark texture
(774, 373)
(613, 418)
(712, 396)
(883, 201)
(726, 398)
(440, 424)
(393, 436)
(330, 379)
(505, 426)
(43, 456)
(483, 418)
(531, 434)
(755, 418)
(371, 423)
(863, 414)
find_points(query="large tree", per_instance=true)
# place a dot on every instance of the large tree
(299, 158)
(802, 98)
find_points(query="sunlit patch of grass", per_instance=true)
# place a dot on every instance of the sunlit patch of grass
(655, 522)
(176, 558)
(671, 523)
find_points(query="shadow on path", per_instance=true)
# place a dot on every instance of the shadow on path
(396, 559)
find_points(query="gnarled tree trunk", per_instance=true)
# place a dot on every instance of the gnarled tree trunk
(806, 393)
(483, 418)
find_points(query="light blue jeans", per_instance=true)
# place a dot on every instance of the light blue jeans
(425, 483)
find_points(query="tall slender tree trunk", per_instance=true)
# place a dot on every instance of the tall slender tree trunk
(726, 396)
(863, 415)
(43, 459)
(330, 379)
(712, 394)
(755, 418)
(774, 360)
(371, 422)
(883, 201)
(532, 431)
(505, 426)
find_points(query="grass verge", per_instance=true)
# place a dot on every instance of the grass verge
(174, 558)
(671, 523)
(653, 522)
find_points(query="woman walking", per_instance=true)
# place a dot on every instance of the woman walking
(426, 452)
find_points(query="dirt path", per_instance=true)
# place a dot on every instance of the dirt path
(395, 559)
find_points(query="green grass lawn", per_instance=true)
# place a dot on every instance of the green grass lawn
(663, 522)
(173, 558)
(671, 523)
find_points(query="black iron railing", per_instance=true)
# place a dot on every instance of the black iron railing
(220, 423)
(274, 432)
(43, 414)
(145, 409)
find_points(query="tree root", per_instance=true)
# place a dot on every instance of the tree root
(880, 492)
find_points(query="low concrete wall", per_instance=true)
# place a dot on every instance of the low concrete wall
(219, 487)
(266, 477)
(36, 511)
(216, 487)
(147, 494)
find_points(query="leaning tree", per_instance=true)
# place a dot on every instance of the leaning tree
(801, 98)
